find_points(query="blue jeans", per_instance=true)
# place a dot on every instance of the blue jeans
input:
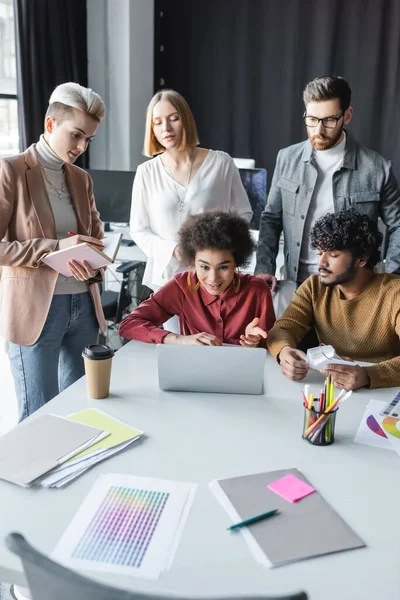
(54, 362)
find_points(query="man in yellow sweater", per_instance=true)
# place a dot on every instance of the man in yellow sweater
(352, 308)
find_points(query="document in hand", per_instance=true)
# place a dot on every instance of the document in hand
(37, 445)
(303, 529)
(121, 436)
(321, 356)
(96, 258)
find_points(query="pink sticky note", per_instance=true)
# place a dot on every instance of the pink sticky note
(291, 488)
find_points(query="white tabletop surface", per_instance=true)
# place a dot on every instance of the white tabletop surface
(200, 437)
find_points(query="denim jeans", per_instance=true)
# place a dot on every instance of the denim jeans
(54, 362)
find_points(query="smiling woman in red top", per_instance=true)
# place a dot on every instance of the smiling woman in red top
(216, 304)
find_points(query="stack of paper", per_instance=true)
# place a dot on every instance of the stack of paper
(120, 436)
(37, 445)
(128, 525)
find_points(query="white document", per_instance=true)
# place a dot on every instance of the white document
(39, 444)
(67, 472)
(321, 356)
(127, 524)
(252, 544)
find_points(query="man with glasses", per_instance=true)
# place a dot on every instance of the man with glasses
(327, 173)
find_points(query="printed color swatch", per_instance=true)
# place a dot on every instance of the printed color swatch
(122, 528)
(127, 524)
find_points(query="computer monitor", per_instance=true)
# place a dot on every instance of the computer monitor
(113, 194)
(255, 184)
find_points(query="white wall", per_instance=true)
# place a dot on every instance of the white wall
(120, 68)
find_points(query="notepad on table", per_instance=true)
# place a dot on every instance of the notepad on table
(96, 258)
(37, 445)
(300, 530)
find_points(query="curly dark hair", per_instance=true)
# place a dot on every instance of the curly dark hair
(217, 231)
(348, 230)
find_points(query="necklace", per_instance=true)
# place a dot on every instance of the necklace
(59, 192)
(181, 201)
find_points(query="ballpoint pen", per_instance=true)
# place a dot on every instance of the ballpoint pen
(270, 513)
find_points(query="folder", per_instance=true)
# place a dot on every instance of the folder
(121, 436)
(37, 445)
(96, 258)
(303, 529)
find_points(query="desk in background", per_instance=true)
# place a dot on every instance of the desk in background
(200, 437)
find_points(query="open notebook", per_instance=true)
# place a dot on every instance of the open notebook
(96, 258)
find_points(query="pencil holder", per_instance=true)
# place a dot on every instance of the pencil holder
(319, 427)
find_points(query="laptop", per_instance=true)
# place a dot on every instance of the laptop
(216, 369)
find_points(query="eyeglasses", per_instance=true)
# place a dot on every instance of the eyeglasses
(327, 122)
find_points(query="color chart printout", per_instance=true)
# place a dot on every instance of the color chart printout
(127, 524)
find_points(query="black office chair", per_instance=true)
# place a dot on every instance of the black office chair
(117, 304)
(49, 580)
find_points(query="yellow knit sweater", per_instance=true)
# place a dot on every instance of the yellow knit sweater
(365, 328)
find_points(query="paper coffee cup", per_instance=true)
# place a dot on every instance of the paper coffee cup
(98, 359)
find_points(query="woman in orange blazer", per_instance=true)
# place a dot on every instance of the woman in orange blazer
(46, 317)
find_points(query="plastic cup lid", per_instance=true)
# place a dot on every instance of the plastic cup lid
(97, 352)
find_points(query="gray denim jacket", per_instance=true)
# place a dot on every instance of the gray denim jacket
(365, 181)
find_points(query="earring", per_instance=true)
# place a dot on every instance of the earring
(236, 286)
(192, 288)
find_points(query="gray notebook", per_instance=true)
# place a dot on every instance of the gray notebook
(37, 445)
(304, 529)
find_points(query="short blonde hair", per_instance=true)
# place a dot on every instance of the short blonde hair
(68, 96)
(189, 136)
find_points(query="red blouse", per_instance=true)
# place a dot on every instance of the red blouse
(225, 316)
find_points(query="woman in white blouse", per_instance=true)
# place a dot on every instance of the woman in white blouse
(182, 180)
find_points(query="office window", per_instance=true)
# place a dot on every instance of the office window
(9, 138)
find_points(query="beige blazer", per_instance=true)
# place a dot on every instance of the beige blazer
(27, 231)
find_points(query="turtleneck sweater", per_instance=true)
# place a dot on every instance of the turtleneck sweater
(61, 204)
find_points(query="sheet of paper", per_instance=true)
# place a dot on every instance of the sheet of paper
(127, 524)
(321, 356)
(112, 242)
(119, 431)
(370, 431)
(67, 472)
(291, 488)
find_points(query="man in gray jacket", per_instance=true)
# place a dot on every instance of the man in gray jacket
(328, 172)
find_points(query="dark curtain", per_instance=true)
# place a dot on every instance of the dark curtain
(51, 49)
(242, 65)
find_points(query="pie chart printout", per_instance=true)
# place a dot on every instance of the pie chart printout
(390, 425)
(375, 427)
